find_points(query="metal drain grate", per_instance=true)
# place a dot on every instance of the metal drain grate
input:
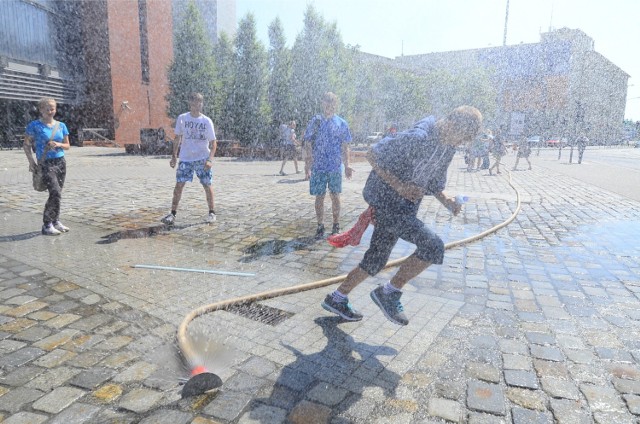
(261, 313)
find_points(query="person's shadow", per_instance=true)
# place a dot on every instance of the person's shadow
(336, 375)
(19, 237)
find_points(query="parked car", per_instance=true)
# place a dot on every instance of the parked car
(358, 137)
(534, 139)
(556, 142)
(374, 137)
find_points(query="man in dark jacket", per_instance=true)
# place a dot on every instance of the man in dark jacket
(581, 142)
(406, 167)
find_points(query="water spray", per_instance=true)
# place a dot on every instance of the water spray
(203, 381)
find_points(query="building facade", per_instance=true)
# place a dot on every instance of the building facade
(559, 87)
(36, 60)
(104, 61)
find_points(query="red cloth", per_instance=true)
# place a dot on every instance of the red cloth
(352, 236)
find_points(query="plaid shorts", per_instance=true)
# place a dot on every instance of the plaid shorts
(186, 170)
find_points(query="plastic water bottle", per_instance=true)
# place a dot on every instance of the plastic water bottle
(462, 199)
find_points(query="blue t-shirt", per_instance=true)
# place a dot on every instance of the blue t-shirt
(327, 136)
(41, 133)
(417, 156)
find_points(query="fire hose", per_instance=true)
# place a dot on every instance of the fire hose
(202, 381)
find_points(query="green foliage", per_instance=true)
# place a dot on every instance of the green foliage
(473, 87)
(313, 68)
(193, 68)
(249, 91)
(249, 108)
(225, 65)
(279, 67)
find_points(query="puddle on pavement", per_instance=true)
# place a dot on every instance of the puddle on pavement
(618, 237)
(137, 233)
(276, 247)
(134, 234)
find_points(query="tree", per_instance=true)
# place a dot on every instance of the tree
(225, 65)
(472, 87)
(309, 76)
(249, 108)
(193, 67)
(279, 65)
(366, 110)
(340, 70)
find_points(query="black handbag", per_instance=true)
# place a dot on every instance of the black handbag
(38, 179)
(38, 174)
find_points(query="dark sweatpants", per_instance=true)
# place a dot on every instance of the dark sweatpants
(55, 171)
(391, 226)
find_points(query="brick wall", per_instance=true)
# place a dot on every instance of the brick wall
(146, 101)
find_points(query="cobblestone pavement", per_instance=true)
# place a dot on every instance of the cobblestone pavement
(538, 323)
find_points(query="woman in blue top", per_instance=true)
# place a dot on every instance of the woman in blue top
(50, 153)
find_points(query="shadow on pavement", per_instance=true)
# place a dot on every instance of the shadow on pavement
(321, 378)
(19, 237)
(102, 155)
(275, 247)
(283, 181)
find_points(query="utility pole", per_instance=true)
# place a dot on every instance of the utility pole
(500, 114)
(506, 20)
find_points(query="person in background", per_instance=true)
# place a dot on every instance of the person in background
(289, 143)
(196, 140)
(405, 168)
(524, 151)
(327, 139)
(498, 149)
(487, 139)
(51, 139)
(477, 152)
(391, 131)
(581, 142)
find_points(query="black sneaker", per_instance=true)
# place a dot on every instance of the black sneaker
(390, 305)
(320, 231)
(335, 229)
(169, 219)
(342, 309)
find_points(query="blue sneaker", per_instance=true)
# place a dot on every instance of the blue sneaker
(390, 305)
(342, 309)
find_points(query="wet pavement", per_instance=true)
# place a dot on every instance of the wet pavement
(538, 323)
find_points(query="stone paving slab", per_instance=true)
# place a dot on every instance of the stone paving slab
(536, 323)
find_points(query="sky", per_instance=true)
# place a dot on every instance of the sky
(394, 27)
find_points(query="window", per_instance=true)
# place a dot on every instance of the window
(144, 40)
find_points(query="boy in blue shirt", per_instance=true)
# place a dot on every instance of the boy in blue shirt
(327, 140)
(51, 139)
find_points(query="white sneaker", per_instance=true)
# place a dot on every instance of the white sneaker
(60, 227)
(49, 230)
(211, 217)
(169, 219)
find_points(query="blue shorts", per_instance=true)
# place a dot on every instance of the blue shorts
(320, 180)
(186, 169)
